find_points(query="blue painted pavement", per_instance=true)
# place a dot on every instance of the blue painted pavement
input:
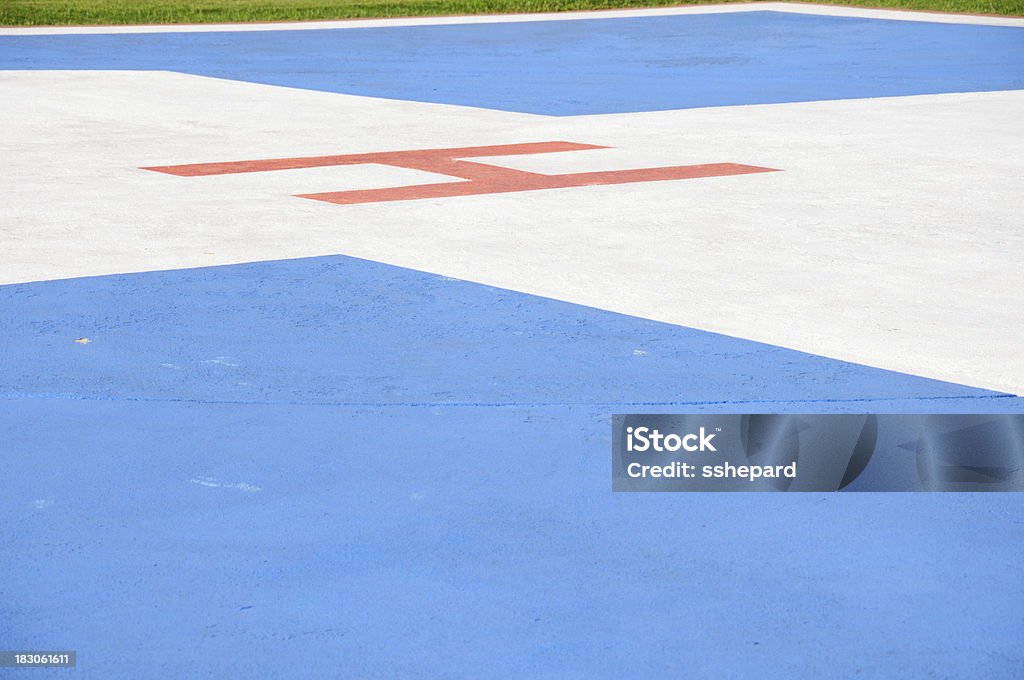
(577, 67)
(339, 330)
(335, 468)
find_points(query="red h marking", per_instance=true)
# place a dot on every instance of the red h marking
(481, 178)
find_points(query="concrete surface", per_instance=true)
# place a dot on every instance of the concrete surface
(266, 436)
(890, 237)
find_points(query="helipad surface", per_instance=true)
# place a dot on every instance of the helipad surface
(247, 430)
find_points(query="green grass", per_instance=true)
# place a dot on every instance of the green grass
(47, 12)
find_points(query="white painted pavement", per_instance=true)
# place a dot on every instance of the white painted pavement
(892, 236)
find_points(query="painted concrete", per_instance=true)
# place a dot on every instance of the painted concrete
(858, 249)
(370, 464)
(338, 330)
(375, 548)
(332, 467)
(479, 178)
(577, 67)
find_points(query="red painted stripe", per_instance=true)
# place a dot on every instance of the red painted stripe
(533, 182)
(408, 159)
(481, 178)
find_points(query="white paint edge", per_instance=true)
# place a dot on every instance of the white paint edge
(795, 8)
